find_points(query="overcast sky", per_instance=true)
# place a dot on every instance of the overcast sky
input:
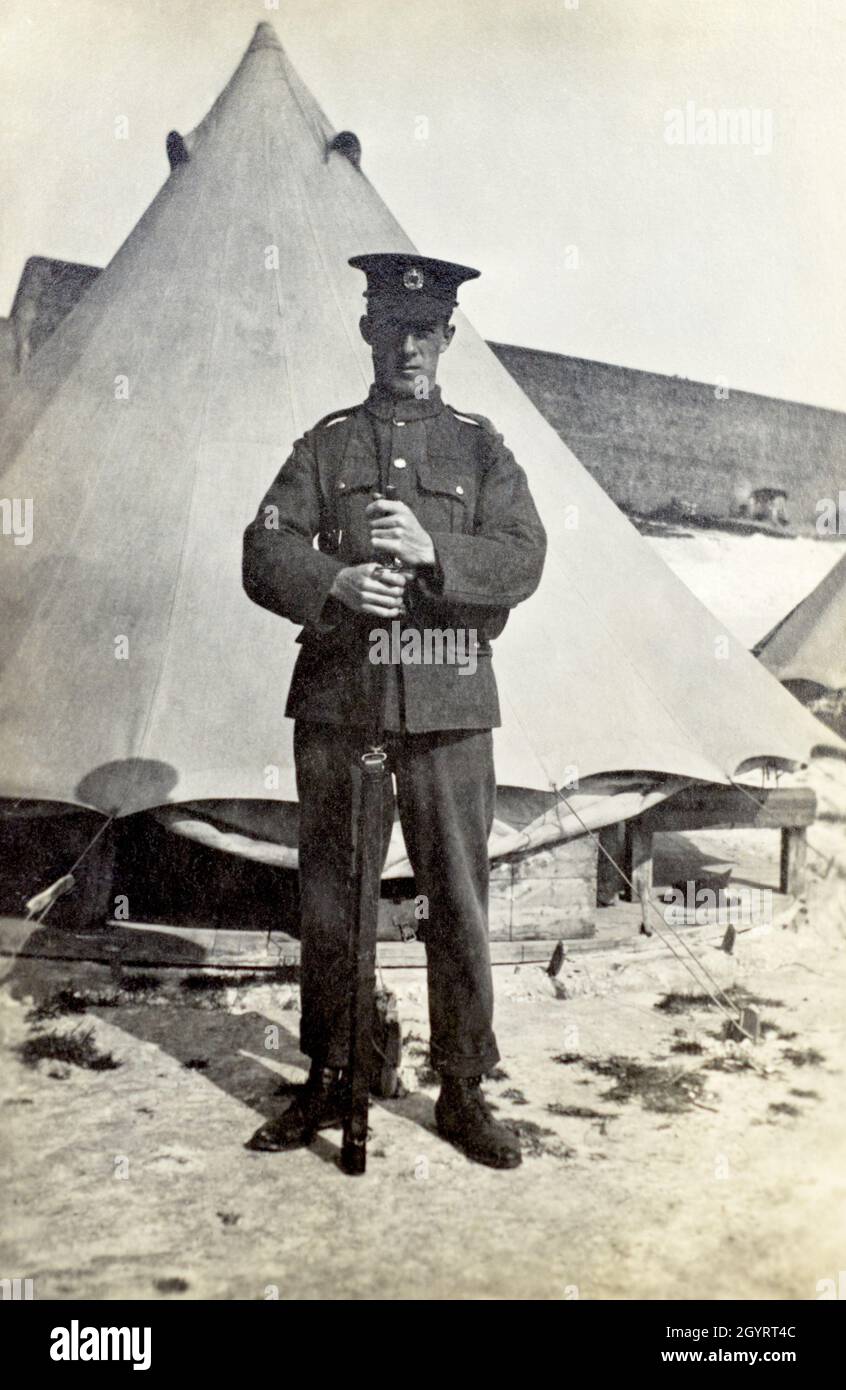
(547, 130)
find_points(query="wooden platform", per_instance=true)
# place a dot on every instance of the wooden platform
(160, 877)
(790, 810)
(127, 946)
(536, 902)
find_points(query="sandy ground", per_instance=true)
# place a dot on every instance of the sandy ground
(133, 1182)
(717, 1174)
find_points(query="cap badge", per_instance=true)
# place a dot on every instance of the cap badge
(413, 278)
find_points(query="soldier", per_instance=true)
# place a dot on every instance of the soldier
(464, 529)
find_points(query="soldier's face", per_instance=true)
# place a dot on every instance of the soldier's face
(406, 354)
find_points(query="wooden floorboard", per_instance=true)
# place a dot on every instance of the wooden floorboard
(138, 945)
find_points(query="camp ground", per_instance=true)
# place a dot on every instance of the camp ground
(150, 711)
(659, 787)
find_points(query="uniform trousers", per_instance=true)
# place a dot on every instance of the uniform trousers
(445, 793)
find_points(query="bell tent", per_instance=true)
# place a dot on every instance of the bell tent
(134, 672)
(809, 644)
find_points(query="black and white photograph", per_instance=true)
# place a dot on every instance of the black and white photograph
(423, 663)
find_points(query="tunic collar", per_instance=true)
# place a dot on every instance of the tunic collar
(387, 407)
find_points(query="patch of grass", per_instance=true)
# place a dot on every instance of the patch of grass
(212, 984)
(689, 1049)
(680, 1003)
(803, 1057)
(229, 1218)
(77, 1047)
(498, 1074)
(537, 1141)
(67, 1001)
(140, 984)
(782, 1107)
(215, 984)
(515, 1095)
(567, 1059)
(728, 1064)
(77, 1001)
(677, 1003)
(744, 998)
(197, 1063)
(577, 1112)
(282, 975)
(805, 1095)
(170, 1285)
(667, 1090)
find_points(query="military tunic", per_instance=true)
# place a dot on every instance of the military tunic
(470, 495)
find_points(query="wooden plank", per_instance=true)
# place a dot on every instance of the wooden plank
(613, 865)
(142, 945)
(130, 945)
(714, 808)
(568, 859)
(543, 908)
(794, 855)
(550, 893)
(639, 857)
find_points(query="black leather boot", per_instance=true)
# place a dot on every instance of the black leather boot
(319, 1104)
(464, 1119)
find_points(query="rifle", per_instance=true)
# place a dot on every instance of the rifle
(368, 783)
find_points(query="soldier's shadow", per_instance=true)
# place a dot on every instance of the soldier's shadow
(232, 1049)
(239, 1052)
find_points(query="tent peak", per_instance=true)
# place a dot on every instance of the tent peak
(264, 37)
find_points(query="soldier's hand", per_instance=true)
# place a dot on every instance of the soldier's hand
(395, 530)
(371, 589)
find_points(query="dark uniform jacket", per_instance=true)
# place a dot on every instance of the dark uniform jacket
(465, 488)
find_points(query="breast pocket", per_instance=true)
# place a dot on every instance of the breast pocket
(354, 486)
(446, 495)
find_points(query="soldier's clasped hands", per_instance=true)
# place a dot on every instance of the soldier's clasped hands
(371, 589)
(395, 531)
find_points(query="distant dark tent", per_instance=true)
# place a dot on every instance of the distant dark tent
(8, 362)
(47, 291)
(810, 643)
(135, 673)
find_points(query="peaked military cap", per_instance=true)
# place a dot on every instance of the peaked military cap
(410, 284)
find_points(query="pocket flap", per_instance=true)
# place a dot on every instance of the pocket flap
(359, 471)
(447, 477)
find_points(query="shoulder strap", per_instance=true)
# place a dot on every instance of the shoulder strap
(479, 421)
(331, 438)
(333, 418)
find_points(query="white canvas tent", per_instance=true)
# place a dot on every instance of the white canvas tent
(134, 672)
(809, 644)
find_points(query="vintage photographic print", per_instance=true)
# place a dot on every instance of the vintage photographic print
(423, 661)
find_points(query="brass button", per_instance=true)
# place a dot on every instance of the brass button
(341, 487)
(459, 489)
(399, 463)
